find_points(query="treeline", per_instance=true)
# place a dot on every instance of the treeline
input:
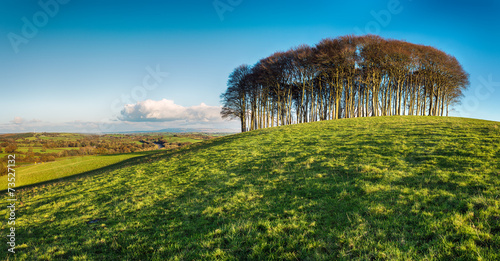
(345, 77)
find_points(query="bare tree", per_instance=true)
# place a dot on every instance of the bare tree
(234, 100)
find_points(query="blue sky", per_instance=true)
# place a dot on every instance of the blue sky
(89, 60)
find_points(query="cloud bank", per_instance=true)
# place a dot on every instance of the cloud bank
(166, 110)
(148, 115)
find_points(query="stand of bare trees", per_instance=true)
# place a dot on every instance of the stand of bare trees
(345, 77)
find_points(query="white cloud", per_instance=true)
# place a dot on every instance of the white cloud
(18, 120)
(147, 115)
(166, 110)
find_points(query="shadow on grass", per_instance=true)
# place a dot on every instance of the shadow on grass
(288, 217)
(125, 163)
(148, 157)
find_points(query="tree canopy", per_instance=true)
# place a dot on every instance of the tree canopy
(345, 77)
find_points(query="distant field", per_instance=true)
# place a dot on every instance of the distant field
(65, 167)
(39, 149)
(61, 136)
(64, 136)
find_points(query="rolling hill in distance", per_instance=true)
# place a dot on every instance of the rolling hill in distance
(385, 188)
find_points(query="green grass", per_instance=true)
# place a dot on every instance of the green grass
(181, 139)
(39, 149)
(384, 188)
(63, 136)
(60, 136)
(170, 138)
(33, 174)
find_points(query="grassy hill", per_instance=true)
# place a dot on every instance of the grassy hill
(407, 188)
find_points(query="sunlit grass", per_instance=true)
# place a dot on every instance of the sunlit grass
(399, 188)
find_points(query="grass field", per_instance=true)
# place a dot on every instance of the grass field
(39, 149)
(33, 174)
(383, 188)
(171, 138)
(61, 136)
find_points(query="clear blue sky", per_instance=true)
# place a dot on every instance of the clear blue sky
(88, 59)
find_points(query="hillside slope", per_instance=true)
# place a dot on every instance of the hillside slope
(403, 188)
